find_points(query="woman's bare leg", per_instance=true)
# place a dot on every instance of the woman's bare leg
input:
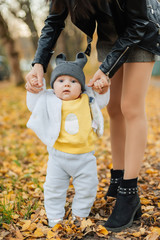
(117, 123)
(136, 78)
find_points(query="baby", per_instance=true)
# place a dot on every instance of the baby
(67, 119)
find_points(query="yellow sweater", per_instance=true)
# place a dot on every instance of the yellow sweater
(76, 134)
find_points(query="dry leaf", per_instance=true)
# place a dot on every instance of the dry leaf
(50, 234)
(32, 227)
(145, 201)
(152, 236)
(19, 235)
(156, 229)
(136, 234)
(85, 223)
(101, 231)
(56, 227)
(6, 226)
(38, 233)
(26, 225)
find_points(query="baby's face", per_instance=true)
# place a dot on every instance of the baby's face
(67, 88)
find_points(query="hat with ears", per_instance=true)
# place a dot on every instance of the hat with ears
(71, 68)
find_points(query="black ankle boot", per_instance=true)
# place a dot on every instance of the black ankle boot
(116, 177)
(127, 207)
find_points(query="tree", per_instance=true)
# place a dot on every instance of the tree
(21, 9)
(12, 54)
(70, 41)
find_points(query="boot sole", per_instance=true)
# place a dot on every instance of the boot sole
(119, 229)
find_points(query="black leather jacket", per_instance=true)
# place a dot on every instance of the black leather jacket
(137, 22)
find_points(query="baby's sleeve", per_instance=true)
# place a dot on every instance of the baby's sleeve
(31, 98)
(102, 99)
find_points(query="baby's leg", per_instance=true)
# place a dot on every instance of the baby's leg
(85, 183)
(55, 188)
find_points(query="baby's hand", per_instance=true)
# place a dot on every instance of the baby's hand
(34, 81)
(100, 82)
(100, 86)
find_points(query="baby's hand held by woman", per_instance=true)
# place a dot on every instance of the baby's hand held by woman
(100, 82)
(35, 79)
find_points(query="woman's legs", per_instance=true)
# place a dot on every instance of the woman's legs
(117, 123)
(126, 109)
(136, 78)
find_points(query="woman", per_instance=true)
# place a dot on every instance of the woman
(128, 42)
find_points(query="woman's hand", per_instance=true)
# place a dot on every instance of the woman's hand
(35, 79)
(100, 82)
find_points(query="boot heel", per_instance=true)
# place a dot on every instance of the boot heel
(138, 214)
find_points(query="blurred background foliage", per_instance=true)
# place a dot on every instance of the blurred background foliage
(21, 22)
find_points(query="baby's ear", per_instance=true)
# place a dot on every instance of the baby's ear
(81, 59)
(61, 58)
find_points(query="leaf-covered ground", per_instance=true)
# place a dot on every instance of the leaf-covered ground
(23, 161)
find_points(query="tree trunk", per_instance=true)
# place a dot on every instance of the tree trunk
(28, 19)
(11, 52)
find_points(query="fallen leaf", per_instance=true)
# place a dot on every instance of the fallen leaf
(6, 226)
(156, 229)
(26, 225)
(101, 231)
(32, 227)
(50, 234)
(152, 236)
(136, 234)
(38, 233)
(56, 227)
(85, 223)
(145, 201)
(19, 235)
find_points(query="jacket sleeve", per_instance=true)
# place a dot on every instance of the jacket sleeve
(49, 35)
(136, 17)
(32, 98)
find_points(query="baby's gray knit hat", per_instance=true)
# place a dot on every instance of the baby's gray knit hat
(71, 68)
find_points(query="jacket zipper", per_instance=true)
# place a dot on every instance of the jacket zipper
(117, 60)
(119, 6)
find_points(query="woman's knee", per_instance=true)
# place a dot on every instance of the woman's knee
(132, 110)
(114, 110)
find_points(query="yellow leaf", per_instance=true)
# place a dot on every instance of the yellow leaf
(101, 195)
(56, 227)
(142, 231)
(19, 234)
(42, 212)
(68, 230)
(104, 180)
(15, 216)
(86, 223)
(110, 166)
(151, 171)
(136, 234)
(101, 231)
(32, 227)
(145, 201)
(26, 225)
(6, 226)
(38, 233)
(153, 236)
(156, 229)
(50, 234)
